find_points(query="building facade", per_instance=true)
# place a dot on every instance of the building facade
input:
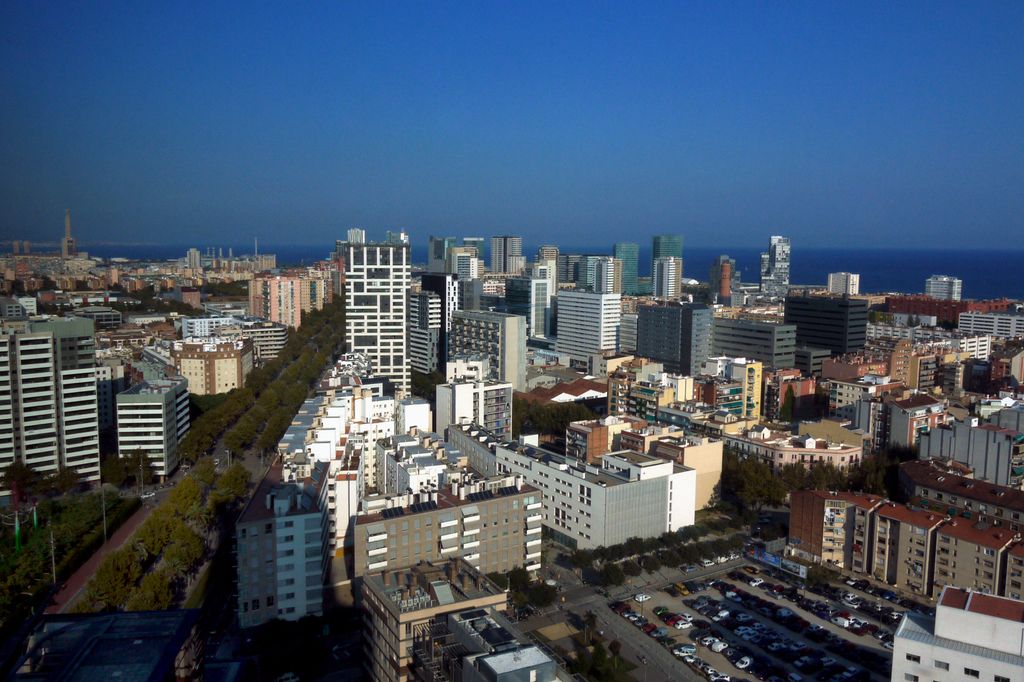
(677, 335)
(153, 417)
(841, 283)
(943, 287)
(488, 404)
(500, 337)
(772, 344)
(213, 365)
(838, 324)
(775, 268)
(588, 324)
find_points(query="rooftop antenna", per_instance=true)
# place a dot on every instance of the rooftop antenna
(256, 246)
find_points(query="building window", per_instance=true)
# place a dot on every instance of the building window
(913, 658)
(942, 665)
(909, 677)
(971, 672)
(1000, 678)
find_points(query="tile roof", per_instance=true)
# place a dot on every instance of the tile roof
(926, 474)
(914, 517)
(994, 537)
(985, 604)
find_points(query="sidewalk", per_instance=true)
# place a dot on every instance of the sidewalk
(70, 590)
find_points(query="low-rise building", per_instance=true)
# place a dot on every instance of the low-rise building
(589, 439)
(213, 365)
(911, 417)
(972, 636)
(488, 404)
(779, 449)
(903, 547)
(994, 453)
(971, 556)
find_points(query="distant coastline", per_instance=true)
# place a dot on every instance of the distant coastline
(986, 273)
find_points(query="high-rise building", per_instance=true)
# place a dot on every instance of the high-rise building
(608, 276)
(213, 365)
(772, 344)
(843, 283)
(49, 416)
(437, 253)
(477, 243)
(286, 297)
(356, 235)
(775, 268)
(668, 277)
(569, 268)
(629, 254)
(446, 287)
(464, 262)
(499, 336)
(67, 244)
(424, 331)
(376, 295)
(838, 324)
(531, 298)
(666, 246)
(153, 417)
(676, 334)
(724, 280)
(943, 287)
(282, 539)
(506, 254)
(547, 252)
(193, 259)
(588, 324)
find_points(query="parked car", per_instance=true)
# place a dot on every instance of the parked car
(684, 650)
(641, 597)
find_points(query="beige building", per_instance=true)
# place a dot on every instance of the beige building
(704, 455)
(903, 547)
(589, 439)
(494, 524)
(400, 606)
(971, 557)
(213, 365)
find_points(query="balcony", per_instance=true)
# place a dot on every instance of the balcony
(533, 541)
(470, 544)
(449, 523)
(533, 518)
(471, 531)
(533, 531)
(377, 552)
(533, 567)
(379, 537)
(377, 565)
(531, 507)
(450, 536)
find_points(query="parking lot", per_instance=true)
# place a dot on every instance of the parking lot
(748, 623)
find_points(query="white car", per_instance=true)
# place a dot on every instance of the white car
(707, 563)
(682, 624)
(641, 597)
(744, 663)
(716, 676)
(147, 495)
(721, 615)
(756, 582)
(718, 646)
(722, 559)
(851, 599)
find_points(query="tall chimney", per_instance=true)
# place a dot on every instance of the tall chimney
(67, 223)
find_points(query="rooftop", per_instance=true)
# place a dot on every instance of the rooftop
(993, 537)
(913, 517)
(985, 604)
(927, 474)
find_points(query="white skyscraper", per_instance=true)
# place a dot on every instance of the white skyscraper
(49, 411)
(668, 277)
(153, 417)
(356, 235)
(843, 283)
(608, 276)
(943, 286)
(588, 324)
(376, 293)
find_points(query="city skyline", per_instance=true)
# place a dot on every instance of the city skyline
(716, 124)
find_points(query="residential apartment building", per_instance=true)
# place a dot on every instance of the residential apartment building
(843, 396)
(779, 449)
(590, 439)
(745, 373)
(498, 336)
(939, 650)
(213, 365)
(949, 487)
(284, 298)
(49, 414)
(903, 547)
(376, 291)
(493, 524)
(268, 338)
(944, 287)
(586, 506)
(825, 527)
(993, 453)
(772, 344)
(282, 547)
(402, 607)
(1000, 325)
(843, 283)
(676, 335)
(530, 297)
(942, 310)
(703, 455)
(424, 331)
(912, 417)
(838, 324)
(488, 404)
(788, 395)
(507, 254)
(588, 324)
(446, 288)
(153, 416)
(668, 277)
(972, 556)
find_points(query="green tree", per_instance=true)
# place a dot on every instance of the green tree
(519, 579)
(631, 568)
(113, 471)
(153, 594)
(611, 574)
(20, 479)
(155, 532)
(185, 550)
(793, 476)
(205, 471)
(116, 575)
(186, 497)
(651, 563)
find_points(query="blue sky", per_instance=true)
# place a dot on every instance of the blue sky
(883, 124)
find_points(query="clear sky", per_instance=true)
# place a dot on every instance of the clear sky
(841, 124)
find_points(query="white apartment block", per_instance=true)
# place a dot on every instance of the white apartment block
(844, 283)
(424, 331)
(668, 277)
(608, 276)
(587, 506)
(588, 324)
(49, 412)
(943, 286)
(413, 413)
(376, 292)
(153, 417)
(973, 636)
(204, 326)
(1000, 325)
(488, 404)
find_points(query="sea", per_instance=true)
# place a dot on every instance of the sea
(985, 273)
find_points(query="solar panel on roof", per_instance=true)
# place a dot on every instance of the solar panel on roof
(508, 490)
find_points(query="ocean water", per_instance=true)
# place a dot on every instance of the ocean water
(985, 273)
